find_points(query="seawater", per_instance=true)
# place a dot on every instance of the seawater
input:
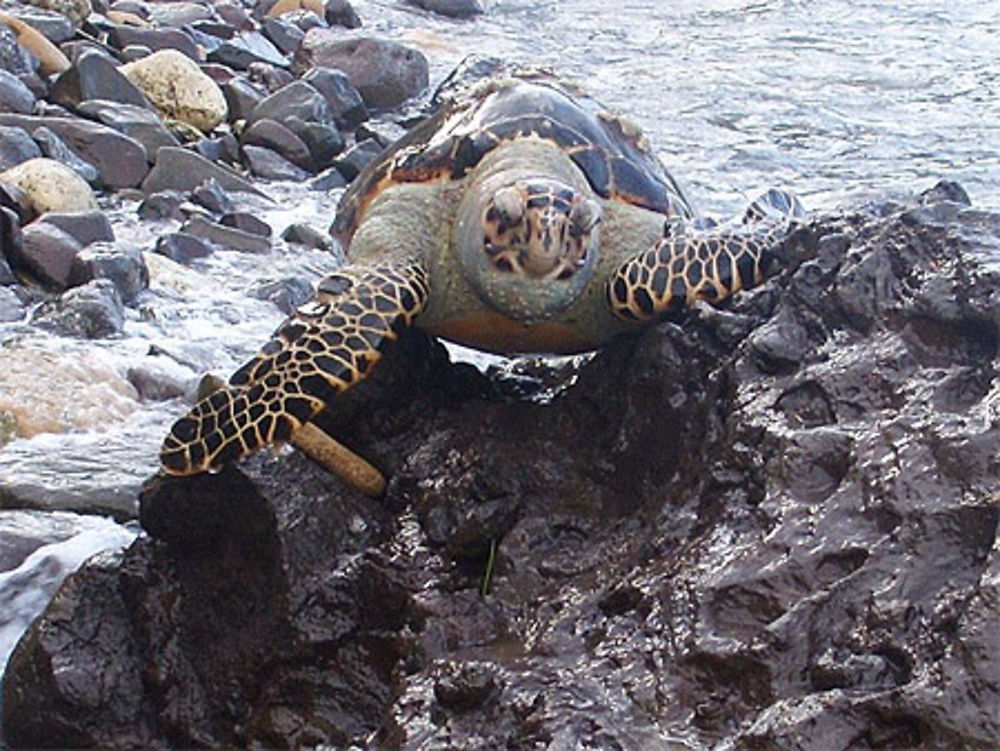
(839, 100)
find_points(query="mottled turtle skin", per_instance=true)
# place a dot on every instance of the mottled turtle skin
(518, 218)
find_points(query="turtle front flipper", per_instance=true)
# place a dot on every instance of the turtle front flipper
(709, 264)
(325, 347)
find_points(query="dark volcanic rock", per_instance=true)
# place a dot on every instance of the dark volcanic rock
(154, 39)
(124, 267)
(227, 237)
(385, 73)
(135, 122)
(120, 160)
(273, 135)
(46, 253)
(246, 48)
(14, 95)
(344, 101)
(85, 226)
(241, 97)
(91, 311)
(54, 147)
(180, 169)
(16, 146)
(270, 165)
(701, 538)
(352, 161)
(94, 76)
(450, 8)
(182, 247)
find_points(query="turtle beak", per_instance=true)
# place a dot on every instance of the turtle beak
(509, 203)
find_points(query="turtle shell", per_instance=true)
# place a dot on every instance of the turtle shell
(611, 153)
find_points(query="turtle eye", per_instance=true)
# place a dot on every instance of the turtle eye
(583, 218)
(509, 203)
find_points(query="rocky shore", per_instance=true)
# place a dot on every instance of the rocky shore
(771, 526)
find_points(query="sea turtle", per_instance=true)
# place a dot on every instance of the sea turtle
(518, 218)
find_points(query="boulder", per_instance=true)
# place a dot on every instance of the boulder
(384, 72)
(12, 308)
(156, 40)
(138, 123)
(123, 267)
(246, 48)
(16, 146)
(94, 76)
(179, 13)
(178, 89)
(182, 247)
(54, 147)
(14, 95)
(356, 158)
(450, 8)
(212, 196)
(77, 11)
(51, 186)
(10, 244)
(183, 170)
(341, 13)
(283, 34)
(46, 255)
(241, 97)
(91, 311)
(85, 227)
(51, 59)
(343, 100)
(14, 58)
(54, 26)
(120, 160)
(270, 165)
(275, 136)
(297, 99)
(226, 237)
(288, 294)
(246, 222)
(303, 234)
(690, 541)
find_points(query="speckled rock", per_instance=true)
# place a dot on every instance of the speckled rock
(51, 186)
(384, 72)
(178, 89)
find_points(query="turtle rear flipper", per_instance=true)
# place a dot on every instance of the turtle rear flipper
(325, 347)
(709, 264)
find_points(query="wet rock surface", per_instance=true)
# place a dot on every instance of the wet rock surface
(707, 539)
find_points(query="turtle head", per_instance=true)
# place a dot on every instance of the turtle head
(529, 246)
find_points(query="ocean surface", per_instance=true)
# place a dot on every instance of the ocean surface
(841, 102)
